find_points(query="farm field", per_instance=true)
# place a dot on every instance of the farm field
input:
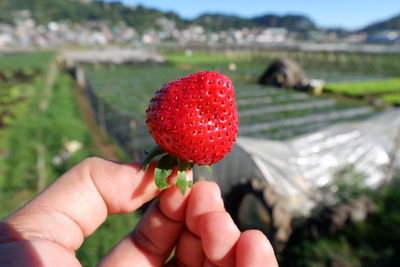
(250, 66)
(119, 96)
(264, 112)
(30, 134)
(373, 87)
(387, 90)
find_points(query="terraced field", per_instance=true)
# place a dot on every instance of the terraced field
(264, 112)
(388, 90)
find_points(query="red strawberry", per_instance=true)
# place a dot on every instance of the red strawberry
(194, 118)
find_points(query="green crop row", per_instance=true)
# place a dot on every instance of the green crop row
(250, 66)
(137, 84)
(129, 88)
(391, 98)
(201, 57)
(25, 61)
(365, 88)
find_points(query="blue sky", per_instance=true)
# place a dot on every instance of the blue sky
(351, 14)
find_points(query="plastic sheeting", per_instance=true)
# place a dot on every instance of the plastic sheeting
(301, 169)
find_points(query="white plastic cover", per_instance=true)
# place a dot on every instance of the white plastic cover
(299, 170)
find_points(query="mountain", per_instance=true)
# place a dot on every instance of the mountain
(139, 17)
(390, 24)
(219, 22)
(44, 11)
(292, 22)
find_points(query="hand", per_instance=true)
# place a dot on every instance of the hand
(50, 228)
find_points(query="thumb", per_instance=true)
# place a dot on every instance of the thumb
(77, 203)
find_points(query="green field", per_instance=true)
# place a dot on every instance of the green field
(264, 112)
(30, 133)
(258, 105)
(119, 96)
(391, 98)
(24, 61)
(375, 87)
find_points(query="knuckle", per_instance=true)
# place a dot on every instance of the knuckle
(91, 161)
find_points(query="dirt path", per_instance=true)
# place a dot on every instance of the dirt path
(41, 150)
(105, 148)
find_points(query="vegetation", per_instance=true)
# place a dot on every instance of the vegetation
(35, 133)
(391, 98)
(30, 131)
(138, 84)
(220, 22)
(365, 88)
(373, 242)
(389, 24)
(44, 11)
(26, 62)
(32, 128)
(141, 18)
(293, 22)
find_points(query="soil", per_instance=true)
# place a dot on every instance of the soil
(20, 76)
(105, 148)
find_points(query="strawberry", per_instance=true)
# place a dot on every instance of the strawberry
(194, 120)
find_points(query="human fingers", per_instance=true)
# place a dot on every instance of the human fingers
(253, 249)
(80, 200)
(189, 250)
(155, 236)
(204, 198)
(219, 234)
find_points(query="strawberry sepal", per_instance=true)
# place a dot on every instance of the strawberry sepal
(165, 166)
(154, 152)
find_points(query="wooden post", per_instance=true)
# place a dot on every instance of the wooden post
(41, 166)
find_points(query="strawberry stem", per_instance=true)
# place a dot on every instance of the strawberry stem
(154, 152)
(208, 167)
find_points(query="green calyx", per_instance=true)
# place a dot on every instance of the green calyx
(166, 164)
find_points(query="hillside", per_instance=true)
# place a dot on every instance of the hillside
(44, 11)
(219, 22)
(293, 22)
(389, 24)
(141, 18)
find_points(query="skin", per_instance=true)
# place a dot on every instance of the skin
(51, 227)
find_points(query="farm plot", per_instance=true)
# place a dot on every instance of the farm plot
(25, 61)
(250, 66)
(374, 87)
(265, 112)
(16, 72)
(391, 98)
(387, 90)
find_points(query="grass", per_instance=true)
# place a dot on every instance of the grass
(54, 127)
(25, 61)
(59, 123)
(373, 242)
(106, 237)
(365, 88)
(391, 98)
(200, 57)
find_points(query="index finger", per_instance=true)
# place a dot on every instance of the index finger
(77, 203)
